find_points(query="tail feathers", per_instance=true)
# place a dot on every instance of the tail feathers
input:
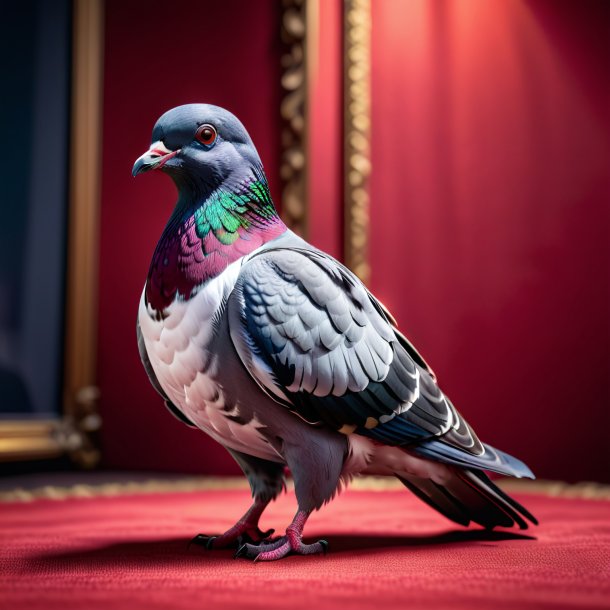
(492, 459)
(437, 497)
(485, 480)
(470, 495)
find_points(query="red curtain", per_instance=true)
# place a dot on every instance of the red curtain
(490, 224)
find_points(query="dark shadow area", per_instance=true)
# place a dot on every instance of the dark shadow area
(360, 542)
(174, 551)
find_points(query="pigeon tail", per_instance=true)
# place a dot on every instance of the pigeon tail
(470, 496)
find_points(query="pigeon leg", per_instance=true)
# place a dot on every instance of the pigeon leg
(292, 542)
(246, 529)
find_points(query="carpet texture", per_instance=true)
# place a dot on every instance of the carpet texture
(387, 550)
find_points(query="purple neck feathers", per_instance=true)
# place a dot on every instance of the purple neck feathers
(199, 244)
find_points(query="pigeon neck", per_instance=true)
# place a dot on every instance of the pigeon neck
(203, 238)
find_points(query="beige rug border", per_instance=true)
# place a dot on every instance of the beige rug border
(584, 490)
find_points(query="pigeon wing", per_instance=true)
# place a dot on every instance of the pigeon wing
(317, 341)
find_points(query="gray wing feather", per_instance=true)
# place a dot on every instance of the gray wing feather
(331, 339)
(316, 340)
(304, 326)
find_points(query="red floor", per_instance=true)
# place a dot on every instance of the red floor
(387, 550)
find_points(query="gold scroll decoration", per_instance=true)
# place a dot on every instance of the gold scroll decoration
(293, 170)
(357, 127)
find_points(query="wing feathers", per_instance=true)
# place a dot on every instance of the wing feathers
(324, 346)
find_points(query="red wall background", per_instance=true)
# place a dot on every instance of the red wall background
(489, 203)
(325, 134)
(490, 223)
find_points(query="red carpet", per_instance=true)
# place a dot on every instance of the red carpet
(387, 550)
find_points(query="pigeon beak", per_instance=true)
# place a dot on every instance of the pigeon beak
(154, 158)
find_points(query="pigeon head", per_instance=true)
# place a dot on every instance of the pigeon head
(201, 147)
(224, 209)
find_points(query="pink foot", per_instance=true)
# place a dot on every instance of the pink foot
(244, 531)
(291, 543)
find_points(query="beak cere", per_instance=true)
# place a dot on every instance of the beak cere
(154, 158)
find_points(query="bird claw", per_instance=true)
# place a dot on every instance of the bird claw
(241, 551)
(270, 551)
(252, 537)
(252, 551)
(202, 540)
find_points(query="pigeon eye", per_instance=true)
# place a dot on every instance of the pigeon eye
(206, 134)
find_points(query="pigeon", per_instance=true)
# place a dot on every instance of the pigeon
(283, 356)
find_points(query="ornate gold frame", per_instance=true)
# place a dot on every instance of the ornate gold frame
(356, 138)
(296, 24)
(72, 432)
(299, 34)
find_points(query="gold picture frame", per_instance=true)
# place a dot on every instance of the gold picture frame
(73, 431)
(356, 135)
(300, 36)
(297, 22)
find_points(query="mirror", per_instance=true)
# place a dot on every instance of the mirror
(48, 268)
(50, 115)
